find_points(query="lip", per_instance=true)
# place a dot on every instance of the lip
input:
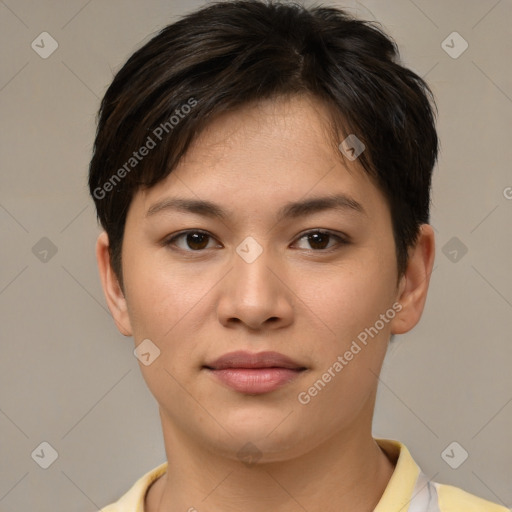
(243, 359)
(254, 373)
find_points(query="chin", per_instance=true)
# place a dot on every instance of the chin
(262, 439)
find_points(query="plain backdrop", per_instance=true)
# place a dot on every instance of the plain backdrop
(67, 378)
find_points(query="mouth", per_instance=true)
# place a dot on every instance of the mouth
(254, 373)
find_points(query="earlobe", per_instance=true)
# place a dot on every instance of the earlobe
(413, 287)
(113, 293)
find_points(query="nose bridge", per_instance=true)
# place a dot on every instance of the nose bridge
(253, 293)
(252, 275)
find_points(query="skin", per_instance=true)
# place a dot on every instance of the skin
(305, 300)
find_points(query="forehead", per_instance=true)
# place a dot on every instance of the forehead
(268, 153)
(286, 128)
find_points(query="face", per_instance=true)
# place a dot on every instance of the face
(291, 264)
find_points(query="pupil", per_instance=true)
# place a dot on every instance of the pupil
(194, 240)
(314, 240)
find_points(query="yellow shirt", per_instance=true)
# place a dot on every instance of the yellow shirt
(408, 490)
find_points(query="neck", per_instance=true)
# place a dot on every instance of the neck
(346, 472)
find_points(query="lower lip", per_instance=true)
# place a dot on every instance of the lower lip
(255, 381)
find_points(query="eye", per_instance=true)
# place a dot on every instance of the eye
(318, 240)
(192, 240)
(196, 240)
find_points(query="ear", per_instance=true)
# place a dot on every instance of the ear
(413, 286)
(113, 294)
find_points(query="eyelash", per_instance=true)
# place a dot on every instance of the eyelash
(341, 240)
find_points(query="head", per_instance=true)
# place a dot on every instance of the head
(232, 123)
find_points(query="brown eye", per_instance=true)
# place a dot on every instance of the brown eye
(319, 240)
(197, 241)
(190, 240)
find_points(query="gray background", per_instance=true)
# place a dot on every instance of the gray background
(68, 378)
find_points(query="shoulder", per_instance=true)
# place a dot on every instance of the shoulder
(410, 488)
(453, 499)
(133, 500)
(111, 508)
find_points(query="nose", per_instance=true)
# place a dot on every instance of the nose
(256, 294)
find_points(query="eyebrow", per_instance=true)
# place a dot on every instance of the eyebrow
(296, 209)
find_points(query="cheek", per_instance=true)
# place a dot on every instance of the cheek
(351, 346)
(160, 295)
(345, 299)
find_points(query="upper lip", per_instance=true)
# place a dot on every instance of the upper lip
(243, 359)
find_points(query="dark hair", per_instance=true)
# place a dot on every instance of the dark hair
(228, 54)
